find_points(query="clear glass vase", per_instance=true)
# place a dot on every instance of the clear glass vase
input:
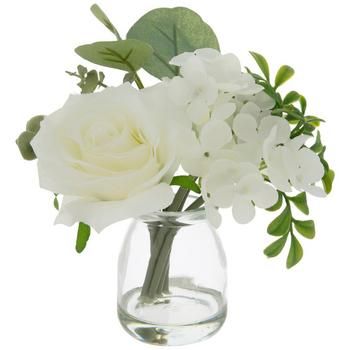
(172, 279)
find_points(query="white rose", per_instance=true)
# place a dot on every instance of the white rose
(110, 154)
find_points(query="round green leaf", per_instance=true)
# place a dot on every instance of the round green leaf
(128, 55)
(291, 97)
(23, 143)
(171, 31)
(33, 124)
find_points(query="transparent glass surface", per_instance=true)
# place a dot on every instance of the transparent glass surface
(172, 279)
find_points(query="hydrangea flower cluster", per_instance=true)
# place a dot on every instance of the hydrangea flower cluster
(232, 142)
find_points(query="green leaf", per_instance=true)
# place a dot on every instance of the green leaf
(300, 201)
(171, 31)
(303, 104)
(305, 228)
(101, 77)
(33, 124)
(281, 225)
(262, 63)
(276, 247)
(278, 204)
(82, 237)
(283, 74)
(291, 97)
(55, 202)
(188, 182)
(90, 83)
(129, 77)
(295, 252)
(128, 55)
(314, 121)
(82, 71)
(317, 147)
(102, 17)
(24, 146)
(327, 180)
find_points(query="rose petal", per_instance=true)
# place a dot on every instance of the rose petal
(100, 214)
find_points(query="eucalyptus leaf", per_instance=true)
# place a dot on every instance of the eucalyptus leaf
(82, 71)
(283, 74)
(33, 125)
(281, 225)
(102, 17)
(295, 252)
(276, 247)
(171, 31)
(300, 201)
(187, 182)
(128, 55)
(90, 83)
(82, 237)
(262, 63)
(24, 146)
(129, 77)
(305, 228)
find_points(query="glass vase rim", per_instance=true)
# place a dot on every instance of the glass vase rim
(191, 216)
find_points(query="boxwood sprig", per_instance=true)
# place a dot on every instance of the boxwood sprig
(286, 225)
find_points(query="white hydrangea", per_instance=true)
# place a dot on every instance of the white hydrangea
(229, 133)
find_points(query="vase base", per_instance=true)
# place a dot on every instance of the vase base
(184, 316)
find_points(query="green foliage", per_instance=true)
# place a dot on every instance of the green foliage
(262, 63)
(33, 125)
(295, 252)
(281, 225)
(327, 180)
(291, 97)
(187, 182)
(128, 55)
(24, 139)
(300, 201)
(82, 237)
(283, 74)
(55, 202)
(89, 80)
(129, 78)
(102, 17)
(276, 247)
(170, 32)
(278, 204)
(305, 228)
(23, 142)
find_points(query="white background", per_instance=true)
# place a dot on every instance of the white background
(52, 298)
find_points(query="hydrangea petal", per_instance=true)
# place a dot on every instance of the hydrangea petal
(223, 111)
(243, 209)
(214, 135)
(245, 127)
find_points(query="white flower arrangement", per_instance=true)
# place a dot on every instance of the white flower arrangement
(207, 127)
